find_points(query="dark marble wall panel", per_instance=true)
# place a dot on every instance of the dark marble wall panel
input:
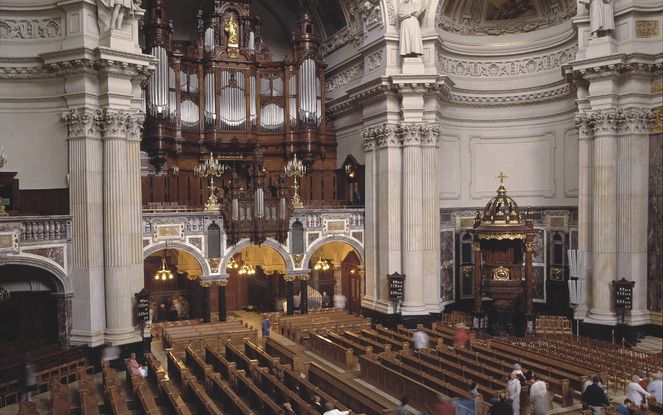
(538, 256)
(655, 226)
(539, 284)
(447, 264)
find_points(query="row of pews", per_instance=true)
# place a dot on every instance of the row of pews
(299, 327)
(546, 325)
(198, 336)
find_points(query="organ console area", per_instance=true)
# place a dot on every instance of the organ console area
(222, 93)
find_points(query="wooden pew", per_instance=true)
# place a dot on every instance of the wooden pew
(253, 351)
(201, 399)
(357, 349)
(286, 355)
(235, 354)
(219, 362)
(295, 382)
(201, 370)
(145, 397)
(177, 370)
(172, 395)
(27, 408)
(329, 350)
(245, 388)
(280, 393)
(344, 392)
(231, 404)
(395, 344)
(115, 400)
(377, 346)
(60, 404)
(86, 394)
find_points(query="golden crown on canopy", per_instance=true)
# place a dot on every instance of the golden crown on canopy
(501, 210)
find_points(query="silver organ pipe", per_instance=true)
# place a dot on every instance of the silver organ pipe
(210, 101)
(277, 87)
(252, 42)
(158, 84)
(307, 91)
(183, 81)
(252, 97)
(233, 101)
(259, 203)
(193, 82)
(189, 114)
(282, 208)
(209, 39)
(272, 117)
(235, 209)
(293, 100)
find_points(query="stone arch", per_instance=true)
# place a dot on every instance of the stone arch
(432, 11)
(334, 238)
(289, 264)
(190, 249)
(62, 280)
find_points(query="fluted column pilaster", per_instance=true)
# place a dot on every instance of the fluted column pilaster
(585, 156)
(412, 221)
(604, 210)
(86, 206)
(121, 271)
(632, 205)
(431, 219)
(370, 217)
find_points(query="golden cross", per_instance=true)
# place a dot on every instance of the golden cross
(501, 176)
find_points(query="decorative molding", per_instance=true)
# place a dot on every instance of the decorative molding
(646, 28)
(214, 264)
(656, 125)
(375, 60)
(380, 136)
(614, 121)
(29, 29)
(506, 68)
(418, 133)
(339, 80)
(637, 121)
(560, 92)
(81, 123)
(364, 16)
(584, 126)
(471, 20)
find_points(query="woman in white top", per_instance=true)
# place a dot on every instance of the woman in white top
(634, 391)
(513, 389)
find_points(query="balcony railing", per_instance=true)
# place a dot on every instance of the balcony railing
(39, 228)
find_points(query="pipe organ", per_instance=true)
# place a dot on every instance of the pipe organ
(221, 92)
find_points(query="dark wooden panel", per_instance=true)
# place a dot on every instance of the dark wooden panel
(44, 202)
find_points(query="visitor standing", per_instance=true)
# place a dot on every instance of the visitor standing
(594, 397)
(420, 340)
(538, 393)
(266, 325)
(513, 388)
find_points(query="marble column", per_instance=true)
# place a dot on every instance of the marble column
(120, 268)
(207, 315)
(632, 208)
(604, 212)
(289, 294)
(223, 314)
(303, 285)
(431, 219)
(86, 204)
(64, 314)
(585, 155)
(370, 218)
(412, 221)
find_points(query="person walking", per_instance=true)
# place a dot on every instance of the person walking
(594, 397)
(513, 389)
(634, 391)
(538, 393)
(420, 340)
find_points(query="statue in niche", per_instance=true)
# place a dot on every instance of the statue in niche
(601, 17)
(409, 12)
(110, 13)
(232, 30)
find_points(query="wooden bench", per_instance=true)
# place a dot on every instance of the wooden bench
(60, 404)
(250, 392)
(335, 353)
(357, 349)
(234, 354)
(274, 364)
(212, 334)
(202, 401)
(286, 355)
(280, 393)
(219, 362)
(86, 394)
(395, 344)
(295, 382)
(115, 400)
(230, 402)
(365, 341)
(198, 366)
(173, 398)
(350, 396)
(27, 408)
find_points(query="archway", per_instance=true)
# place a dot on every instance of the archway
(31, 312)
(177, 294)
(336, 269)
(255, 278)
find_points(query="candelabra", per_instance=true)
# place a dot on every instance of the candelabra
(211, 168)
(295, 168)
(3, 161)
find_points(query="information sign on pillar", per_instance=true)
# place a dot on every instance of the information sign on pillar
(396, 284)
(623, 294)
(143, 302)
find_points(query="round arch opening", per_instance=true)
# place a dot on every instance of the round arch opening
(179, 296)
(255, 279)
(336, 270)
(30, 314)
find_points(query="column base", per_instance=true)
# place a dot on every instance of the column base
(415, 309)
(637, 318)
(373, 305)
(119, 337)
(79, 338)
(601, 317)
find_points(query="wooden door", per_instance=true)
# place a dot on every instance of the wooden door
(351, 282)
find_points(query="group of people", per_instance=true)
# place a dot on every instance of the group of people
(316, 402)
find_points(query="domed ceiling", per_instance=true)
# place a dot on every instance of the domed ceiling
(501, 17)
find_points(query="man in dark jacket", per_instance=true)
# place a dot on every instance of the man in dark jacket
(594, 397)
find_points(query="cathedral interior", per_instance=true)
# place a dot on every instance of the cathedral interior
(440, 165)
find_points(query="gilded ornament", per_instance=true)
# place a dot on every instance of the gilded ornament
(656, 126)
(477, 246)
(502, 236)
(214, 264)
(297, 259)
(646, 28)
(501, 274)
(529, 246)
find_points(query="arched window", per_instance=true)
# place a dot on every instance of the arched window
(557, 249)
(214, 241)
(297, 234)
(466, 248)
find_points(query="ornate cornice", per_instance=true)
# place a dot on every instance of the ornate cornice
(637, 121)
(413, 134)
(560, 92)
(507, 67)
(339, 80)
(397, 135)
(364, 16)
(613, 121)
(380, 136)
(81, 123)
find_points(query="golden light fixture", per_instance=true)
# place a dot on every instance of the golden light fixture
(232, 264)
(295, 168)
(247, 270)
(322, 265)
(164, 273)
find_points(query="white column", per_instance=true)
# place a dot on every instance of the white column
(632, 207)
(85, 201)
(412, 221)
(134, 194)
(120, 270)
(585, 156)
(370, 217)
(431, 220)
(389, 188)
(604, 209)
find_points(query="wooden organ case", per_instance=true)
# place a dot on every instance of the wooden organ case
(222, 93)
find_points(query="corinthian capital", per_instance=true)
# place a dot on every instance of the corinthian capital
(607, 121)
(135, 125)
(637, 120)
(379, 136)
(81, 123)
(120, 124)
(418, 133)
(584, 126)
